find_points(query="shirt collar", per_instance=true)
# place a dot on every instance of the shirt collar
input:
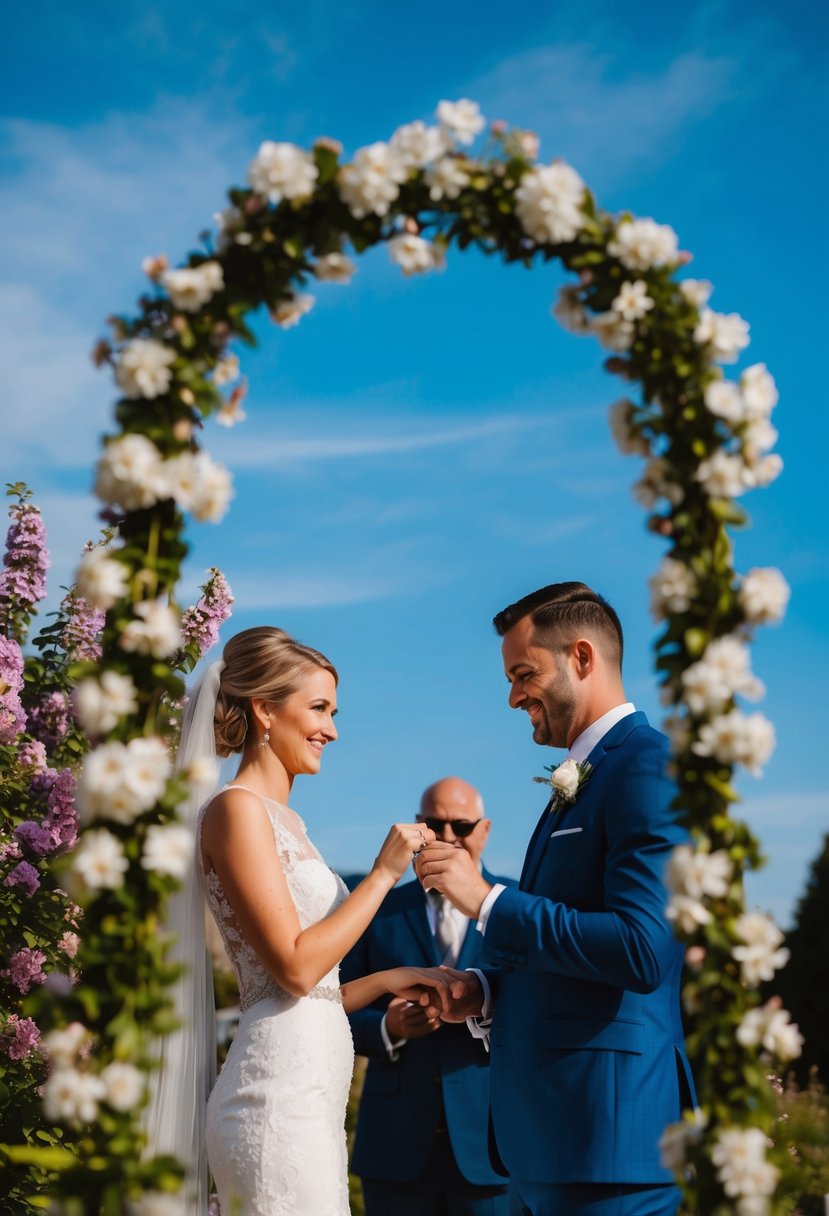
(583, 745)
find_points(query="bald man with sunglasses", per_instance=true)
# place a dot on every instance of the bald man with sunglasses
(421, 1142)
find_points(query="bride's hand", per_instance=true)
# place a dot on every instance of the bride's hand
(428, 986)
(404, 841)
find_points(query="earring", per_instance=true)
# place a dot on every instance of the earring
(266, 738)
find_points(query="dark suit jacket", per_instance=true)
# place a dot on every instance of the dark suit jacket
(443, 1076)
(588, 1059)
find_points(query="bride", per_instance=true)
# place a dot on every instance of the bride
(274, 1128)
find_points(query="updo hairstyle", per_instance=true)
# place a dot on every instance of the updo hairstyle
(262, 662)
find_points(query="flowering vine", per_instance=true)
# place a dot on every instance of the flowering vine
(705, 439)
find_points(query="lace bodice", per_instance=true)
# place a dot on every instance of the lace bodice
(315, 889)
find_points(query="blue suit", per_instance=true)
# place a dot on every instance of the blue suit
(588, 1061)
(440, 1080)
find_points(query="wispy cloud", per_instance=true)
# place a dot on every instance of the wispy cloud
(587, 109)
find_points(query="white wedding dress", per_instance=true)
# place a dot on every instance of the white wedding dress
(276, 1116)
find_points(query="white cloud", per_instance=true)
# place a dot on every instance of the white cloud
(590, 112)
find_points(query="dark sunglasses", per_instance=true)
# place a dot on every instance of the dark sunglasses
(461, 827)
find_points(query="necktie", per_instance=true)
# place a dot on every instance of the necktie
(446, 929)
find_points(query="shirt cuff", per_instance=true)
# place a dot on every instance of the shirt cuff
(391, 1048)
(487, 905)
(479, 1026)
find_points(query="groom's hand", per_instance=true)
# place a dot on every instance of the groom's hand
(407, 1021)
(452, 871)
(467, 1005)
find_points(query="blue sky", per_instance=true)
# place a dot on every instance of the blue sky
(418, 453)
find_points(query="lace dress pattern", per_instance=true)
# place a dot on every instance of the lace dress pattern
(276, 1116)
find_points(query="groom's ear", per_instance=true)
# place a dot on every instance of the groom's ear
(583, 653)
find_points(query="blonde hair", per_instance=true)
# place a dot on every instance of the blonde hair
(262, 662)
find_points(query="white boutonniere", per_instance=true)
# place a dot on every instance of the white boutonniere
(567, 781)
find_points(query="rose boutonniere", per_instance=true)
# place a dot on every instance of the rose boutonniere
(567, 781)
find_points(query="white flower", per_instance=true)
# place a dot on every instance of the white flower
(724, 399)
(522, 143)
(565, 779)
(725, 333)
(124, 1085)
(101, 702)
(282, 171)
(740, 1154)
(737, 738)
(63, 1046)
(763, 472)
(695, 873)
(724, 475)
(678, 1138)
(696, 291)
(461, 120)
(570, 312)
(447, 178)
(548, 203)
(119, 781)
(231, 411)
(69, 1096)
(101, 579)
(758, 436)
(168, 849)
(762, 953)
(678, 731)
(764, 595)
(372, 182)
(99, 860)
(230, 224)
(413, 254)
(628, 440)
(759, 391)
(130, 473)
(199, 485)
(633, 302)
(643, 244)
(655, 483)
(143, 368)
(334, 268)
(687, 913)
(672, 588)
(155, 630)
(417, 145)
(613, 331)
(771, 1027)
(191, 287)
(226, 370)
(722, 672)
(289, 312)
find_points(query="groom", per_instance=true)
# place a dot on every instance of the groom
(588, 1064)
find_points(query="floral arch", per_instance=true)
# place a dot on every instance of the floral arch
(705, 441)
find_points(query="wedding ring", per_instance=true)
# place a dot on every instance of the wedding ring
(422, 843)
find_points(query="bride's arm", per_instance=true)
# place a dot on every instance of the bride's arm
(408, 982)
(238, 842)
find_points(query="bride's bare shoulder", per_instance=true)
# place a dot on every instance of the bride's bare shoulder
(231, 806)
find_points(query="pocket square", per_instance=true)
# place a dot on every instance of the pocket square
(565, 832)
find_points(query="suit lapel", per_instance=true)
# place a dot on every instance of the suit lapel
(419, 924)
(470, 947)
(614, 738)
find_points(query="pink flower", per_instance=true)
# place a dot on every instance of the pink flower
(24, 1037)
(62, 818)
(49, 720)
(201, 623)
(25, 969)
(23, 582)
(69, 943)
(33, 755)
(12, 714)
(24, 876)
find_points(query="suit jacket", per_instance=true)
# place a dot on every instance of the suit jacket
(588, 1059)
(442, 1076)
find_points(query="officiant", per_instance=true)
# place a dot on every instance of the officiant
(421, 1141)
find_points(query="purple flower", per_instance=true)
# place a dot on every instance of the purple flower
(23, 582)
(49, 721)
(10, 852)
(62, 818)
(24, 1037)
(42, 782)
(33, 755)
(12, 714)
(35, 837)
(25, 876)
(25, 968)
(81, 632)
(201, 623)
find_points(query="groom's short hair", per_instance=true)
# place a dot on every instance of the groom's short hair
(562, 609)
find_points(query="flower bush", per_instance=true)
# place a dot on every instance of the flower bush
(706, 440)
(54, 700)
